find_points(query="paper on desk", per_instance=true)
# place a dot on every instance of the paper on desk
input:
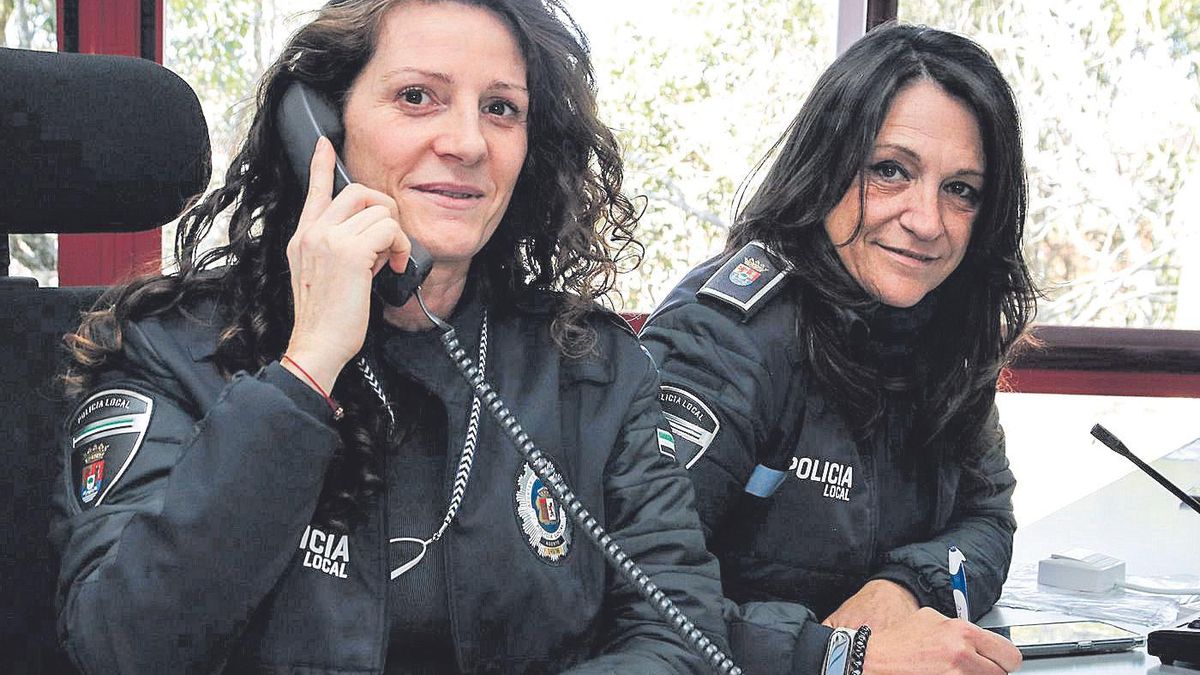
(1189, 452)
(1022, 591)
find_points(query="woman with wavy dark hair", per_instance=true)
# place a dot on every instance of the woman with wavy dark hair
(831, 377)
(269, 470)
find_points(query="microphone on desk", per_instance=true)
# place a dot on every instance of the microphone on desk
(1107, 438)
(1180, 644)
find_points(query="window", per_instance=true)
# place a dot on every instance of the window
(1110, 101)
(695, 107)
(221, 49)
(1110, 108)
(28, 24)
(1055, 459)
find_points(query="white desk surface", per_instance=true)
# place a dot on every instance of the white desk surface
(1134, 519)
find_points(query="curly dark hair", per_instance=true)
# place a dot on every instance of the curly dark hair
(983, 308)
(567, 229)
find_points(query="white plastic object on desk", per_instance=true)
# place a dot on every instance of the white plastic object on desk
(1079, 569)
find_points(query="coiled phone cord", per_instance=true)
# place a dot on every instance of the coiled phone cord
(550, 477)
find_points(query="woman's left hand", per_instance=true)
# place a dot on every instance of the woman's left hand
(878, 603)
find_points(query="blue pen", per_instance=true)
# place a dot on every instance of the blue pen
(957, 565)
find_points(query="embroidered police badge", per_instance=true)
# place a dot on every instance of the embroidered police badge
(106, 433)
(546, 526)
(748, 278)
(693, 424)
(747, 272)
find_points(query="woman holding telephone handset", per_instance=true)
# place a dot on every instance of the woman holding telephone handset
(268, 471)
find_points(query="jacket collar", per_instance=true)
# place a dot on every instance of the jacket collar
(421, 356)
(882, 326)
(205, 321)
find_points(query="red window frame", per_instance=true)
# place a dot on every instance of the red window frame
(127, 28)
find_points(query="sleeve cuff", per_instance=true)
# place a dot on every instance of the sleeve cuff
(304, 396)
(912, 582)
(810, 649)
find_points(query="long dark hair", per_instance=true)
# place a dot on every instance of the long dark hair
(983, 308)
(566, 227)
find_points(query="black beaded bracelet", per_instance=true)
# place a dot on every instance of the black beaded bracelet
(858, 651)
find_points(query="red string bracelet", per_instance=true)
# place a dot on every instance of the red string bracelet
(338, 411)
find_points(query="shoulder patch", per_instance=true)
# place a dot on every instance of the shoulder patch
(693, 424)
(748, 279)
(106, 433)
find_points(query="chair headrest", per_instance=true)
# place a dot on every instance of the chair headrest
(96, 143)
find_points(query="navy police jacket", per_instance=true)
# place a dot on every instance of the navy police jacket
(184, 515)
(724, 341)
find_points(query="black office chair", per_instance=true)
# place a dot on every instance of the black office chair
(88, 144)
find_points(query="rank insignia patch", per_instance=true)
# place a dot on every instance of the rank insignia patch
(693, 424)
(106, 433)
(747, 279)
(546, 526)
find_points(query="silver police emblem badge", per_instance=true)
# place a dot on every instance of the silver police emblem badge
(546, 526)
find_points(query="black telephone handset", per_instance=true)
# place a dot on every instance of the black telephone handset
(304, 116)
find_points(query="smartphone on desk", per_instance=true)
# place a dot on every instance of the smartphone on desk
(304, 115)
(1069, 638)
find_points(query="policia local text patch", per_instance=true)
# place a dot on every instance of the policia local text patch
(106, 433)
(693, 424)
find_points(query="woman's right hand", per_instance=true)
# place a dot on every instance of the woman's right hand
(928, 643)
(339, 245)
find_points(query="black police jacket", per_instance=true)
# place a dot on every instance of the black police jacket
(724, 343)
(184, 517)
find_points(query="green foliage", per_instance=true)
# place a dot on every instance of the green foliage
(695, 107)
(221, 49)
(1180, 21)
(28, 24)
